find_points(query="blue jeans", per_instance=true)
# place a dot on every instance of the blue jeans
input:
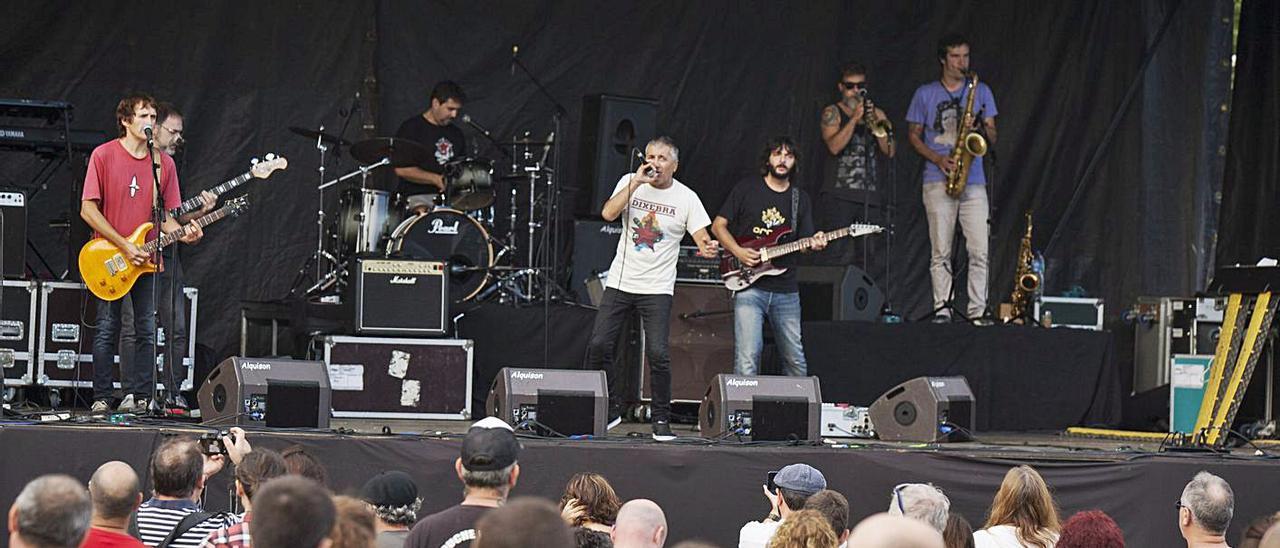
(136, 377)
(750, 308)
(173, 304)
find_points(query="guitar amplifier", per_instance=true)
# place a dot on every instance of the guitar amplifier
(18, 332)
(13, 233)
(400, 297)
(692, 269)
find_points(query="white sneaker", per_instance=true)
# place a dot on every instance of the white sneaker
(126, 405)
(662, 431)
(100, 407)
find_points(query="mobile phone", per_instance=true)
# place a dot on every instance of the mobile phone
(773, 487)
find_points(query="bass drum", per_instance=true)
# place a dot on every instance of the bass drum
(450, 236)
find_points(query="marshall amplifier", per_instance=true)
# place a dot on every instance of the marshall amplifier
(762, 408)
(400, 297)
(266, 392)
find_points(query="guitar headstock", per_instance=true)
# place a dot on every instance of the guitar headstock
(237, 205)
(860, 229)
(265, 168)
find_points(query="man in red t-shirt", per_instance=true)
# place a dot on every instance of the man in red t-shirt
(119, 194)
(115, 495)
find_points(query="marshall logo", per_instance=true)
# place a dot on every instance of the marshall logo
(739, 383)
(438, 227)
(527, 375)
(255, 366)
(404, 280)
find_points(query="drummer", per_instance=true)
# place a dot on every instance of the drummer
(435, 131)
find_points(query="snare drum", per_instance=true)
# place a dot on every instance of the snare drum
(365, 217)
(451, 236)
(468, 184)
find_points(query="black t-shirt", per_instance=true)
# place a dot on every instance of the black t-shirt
(447, 529)
(445, 143)
(854, 173)
(756, 211)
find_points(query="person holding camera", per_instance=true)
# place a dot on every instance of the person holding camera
(791, 488)
(180, 468)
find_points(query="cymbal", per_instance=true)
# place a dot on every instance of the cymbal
(402, 152)
(325, 137)
(521, 142)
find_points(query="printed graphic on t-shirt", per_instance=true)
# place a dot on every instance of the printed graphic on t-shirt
(855, 167)
(133, 187)
(947, 122)
(769, 218)
(646, 232)
(444, 151)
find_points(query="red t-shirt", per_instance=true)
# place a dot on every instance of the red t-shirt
(99, 538)
(122, 185)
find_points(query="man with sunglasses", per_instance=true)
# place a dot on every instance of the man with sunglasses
(852, 183)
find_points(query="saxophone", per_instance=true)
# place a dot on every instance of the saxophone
(1026, 282)
(969, 144)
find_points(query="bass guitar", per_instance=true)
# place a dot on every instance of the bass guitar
(109, 275)
(737, 277)
(260, 170)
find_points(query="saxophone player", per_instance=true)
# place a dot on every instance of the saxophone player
(934, 122)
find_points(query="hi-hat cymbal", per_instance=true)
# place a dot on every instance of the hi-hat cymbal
(325, 137)
(401, 152)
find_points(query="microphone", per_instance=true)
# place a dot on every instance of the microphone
(147, 130)
(475, 125)
(650, 171)
(515, 49)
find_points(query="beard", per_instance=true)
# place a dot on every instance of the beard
(773, 171)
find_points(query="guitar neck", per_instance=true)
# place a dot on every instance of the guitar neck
(165, 239)
(780, 250)
(195, 202)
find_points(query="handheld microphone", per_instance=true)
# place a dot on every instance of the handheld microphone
(649, 171)
(466, 118)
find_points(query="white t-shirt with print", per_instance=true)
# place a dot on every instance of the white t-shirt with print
(654, 222)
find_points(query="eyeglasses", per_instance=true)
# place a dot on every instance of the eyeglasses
(897, 496)
(851, 85)
(1178, 504)
(177, 132)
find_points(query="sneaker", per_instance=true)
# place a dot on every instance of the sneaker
(662, 431)
(100, 407)
(613, 423)
(984, 322)
(942, 317)
(142, 405)
(615, 416)
(177, 402)
(126, 405)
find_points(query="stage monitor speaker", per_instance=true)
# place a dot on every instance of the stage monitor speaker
(13, 233)
(611, 127)
(762, 408)
(553, 402)
(700, 343)
(925, 409)
(266, 392)
(838, 293)
(594, 244)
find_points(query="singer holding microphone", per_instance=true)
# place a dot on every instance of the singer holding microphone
(434, 130)
(657, 211)
(119, 195)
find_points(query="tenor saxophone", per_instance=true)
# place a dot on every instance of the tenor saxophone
(969, 144)
(1026, 281)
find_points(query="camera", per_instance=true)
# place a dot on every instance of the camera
(211, 442)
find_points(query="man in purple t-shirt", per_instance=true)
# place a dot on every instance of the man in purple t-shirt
(934, 123)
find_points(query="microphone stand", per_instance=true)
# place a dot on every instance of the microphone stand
(157, 219)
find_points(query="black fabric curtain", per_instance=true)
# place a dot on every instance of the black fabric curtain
(727, 75)
(1249, 189)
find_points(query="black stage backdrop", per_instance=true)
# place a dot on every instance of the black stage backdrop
(727, 74)
(1249, 195)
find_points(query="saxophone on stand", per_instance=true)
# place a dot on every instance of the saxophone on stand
(1027, 280)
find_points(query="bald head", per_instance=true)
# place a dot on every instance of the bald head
(887, 531)
(640, 524)
(114, 490)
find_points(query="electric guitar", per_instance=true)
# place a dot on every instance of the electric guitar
(260, 170)
(738, 277)
(108, 273)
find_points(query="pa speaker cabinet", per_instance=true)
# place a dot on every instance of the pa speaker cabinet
(400, 297)
(838, 293)
(594, 244)
(266, 392)
(612, 126)
(924, 409)
(397, 378)
(18, 331)
(762, 408)
(563, 401)
(700, 343)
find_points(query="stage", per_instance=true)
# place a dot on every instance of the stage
(707, 489)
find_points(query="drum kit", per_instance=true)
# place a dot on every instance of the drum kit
(461, 229)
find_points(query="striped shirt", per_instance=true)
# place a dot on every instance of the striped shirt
(157, 518)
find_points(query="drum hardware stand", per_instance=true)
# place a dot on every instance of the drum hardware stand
(338, 268)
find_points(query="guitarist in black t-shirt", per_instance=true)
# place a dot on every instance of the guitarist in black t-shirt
(766, 208)
(434, 130)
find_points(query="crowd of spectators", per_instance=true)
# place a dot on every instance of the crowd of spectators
(285, 503)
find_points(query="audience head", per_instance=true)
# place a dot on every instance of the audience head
(804, 529)
(1206, 505)
(796, 483)
(835, 508)
(1271, 539)
(1251, 537)
(640, 524)
(292, 511)
(114, 491)
(894, 531)
(594, 496)
(353, 526)
(921, 501)
(300, 463)
(394, 498)
(524, 522)
(1090, 529)
(488, 460)
(51, 511)
(256, 468)
(958, 534)
(1024, 502)
(590, 538)
(177, 468)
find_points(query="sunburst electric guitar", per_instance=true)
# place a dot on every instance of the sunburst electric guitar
(738, 277)
(108, 273)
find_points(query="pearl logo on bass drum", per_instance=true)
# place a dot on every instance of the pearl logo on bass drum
(438, 227)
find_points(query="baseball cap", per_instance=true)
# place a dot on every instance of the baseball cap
(490, 444)
(800, 478)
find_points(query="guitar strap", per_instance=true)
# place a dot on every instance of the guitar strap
(795, 206)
